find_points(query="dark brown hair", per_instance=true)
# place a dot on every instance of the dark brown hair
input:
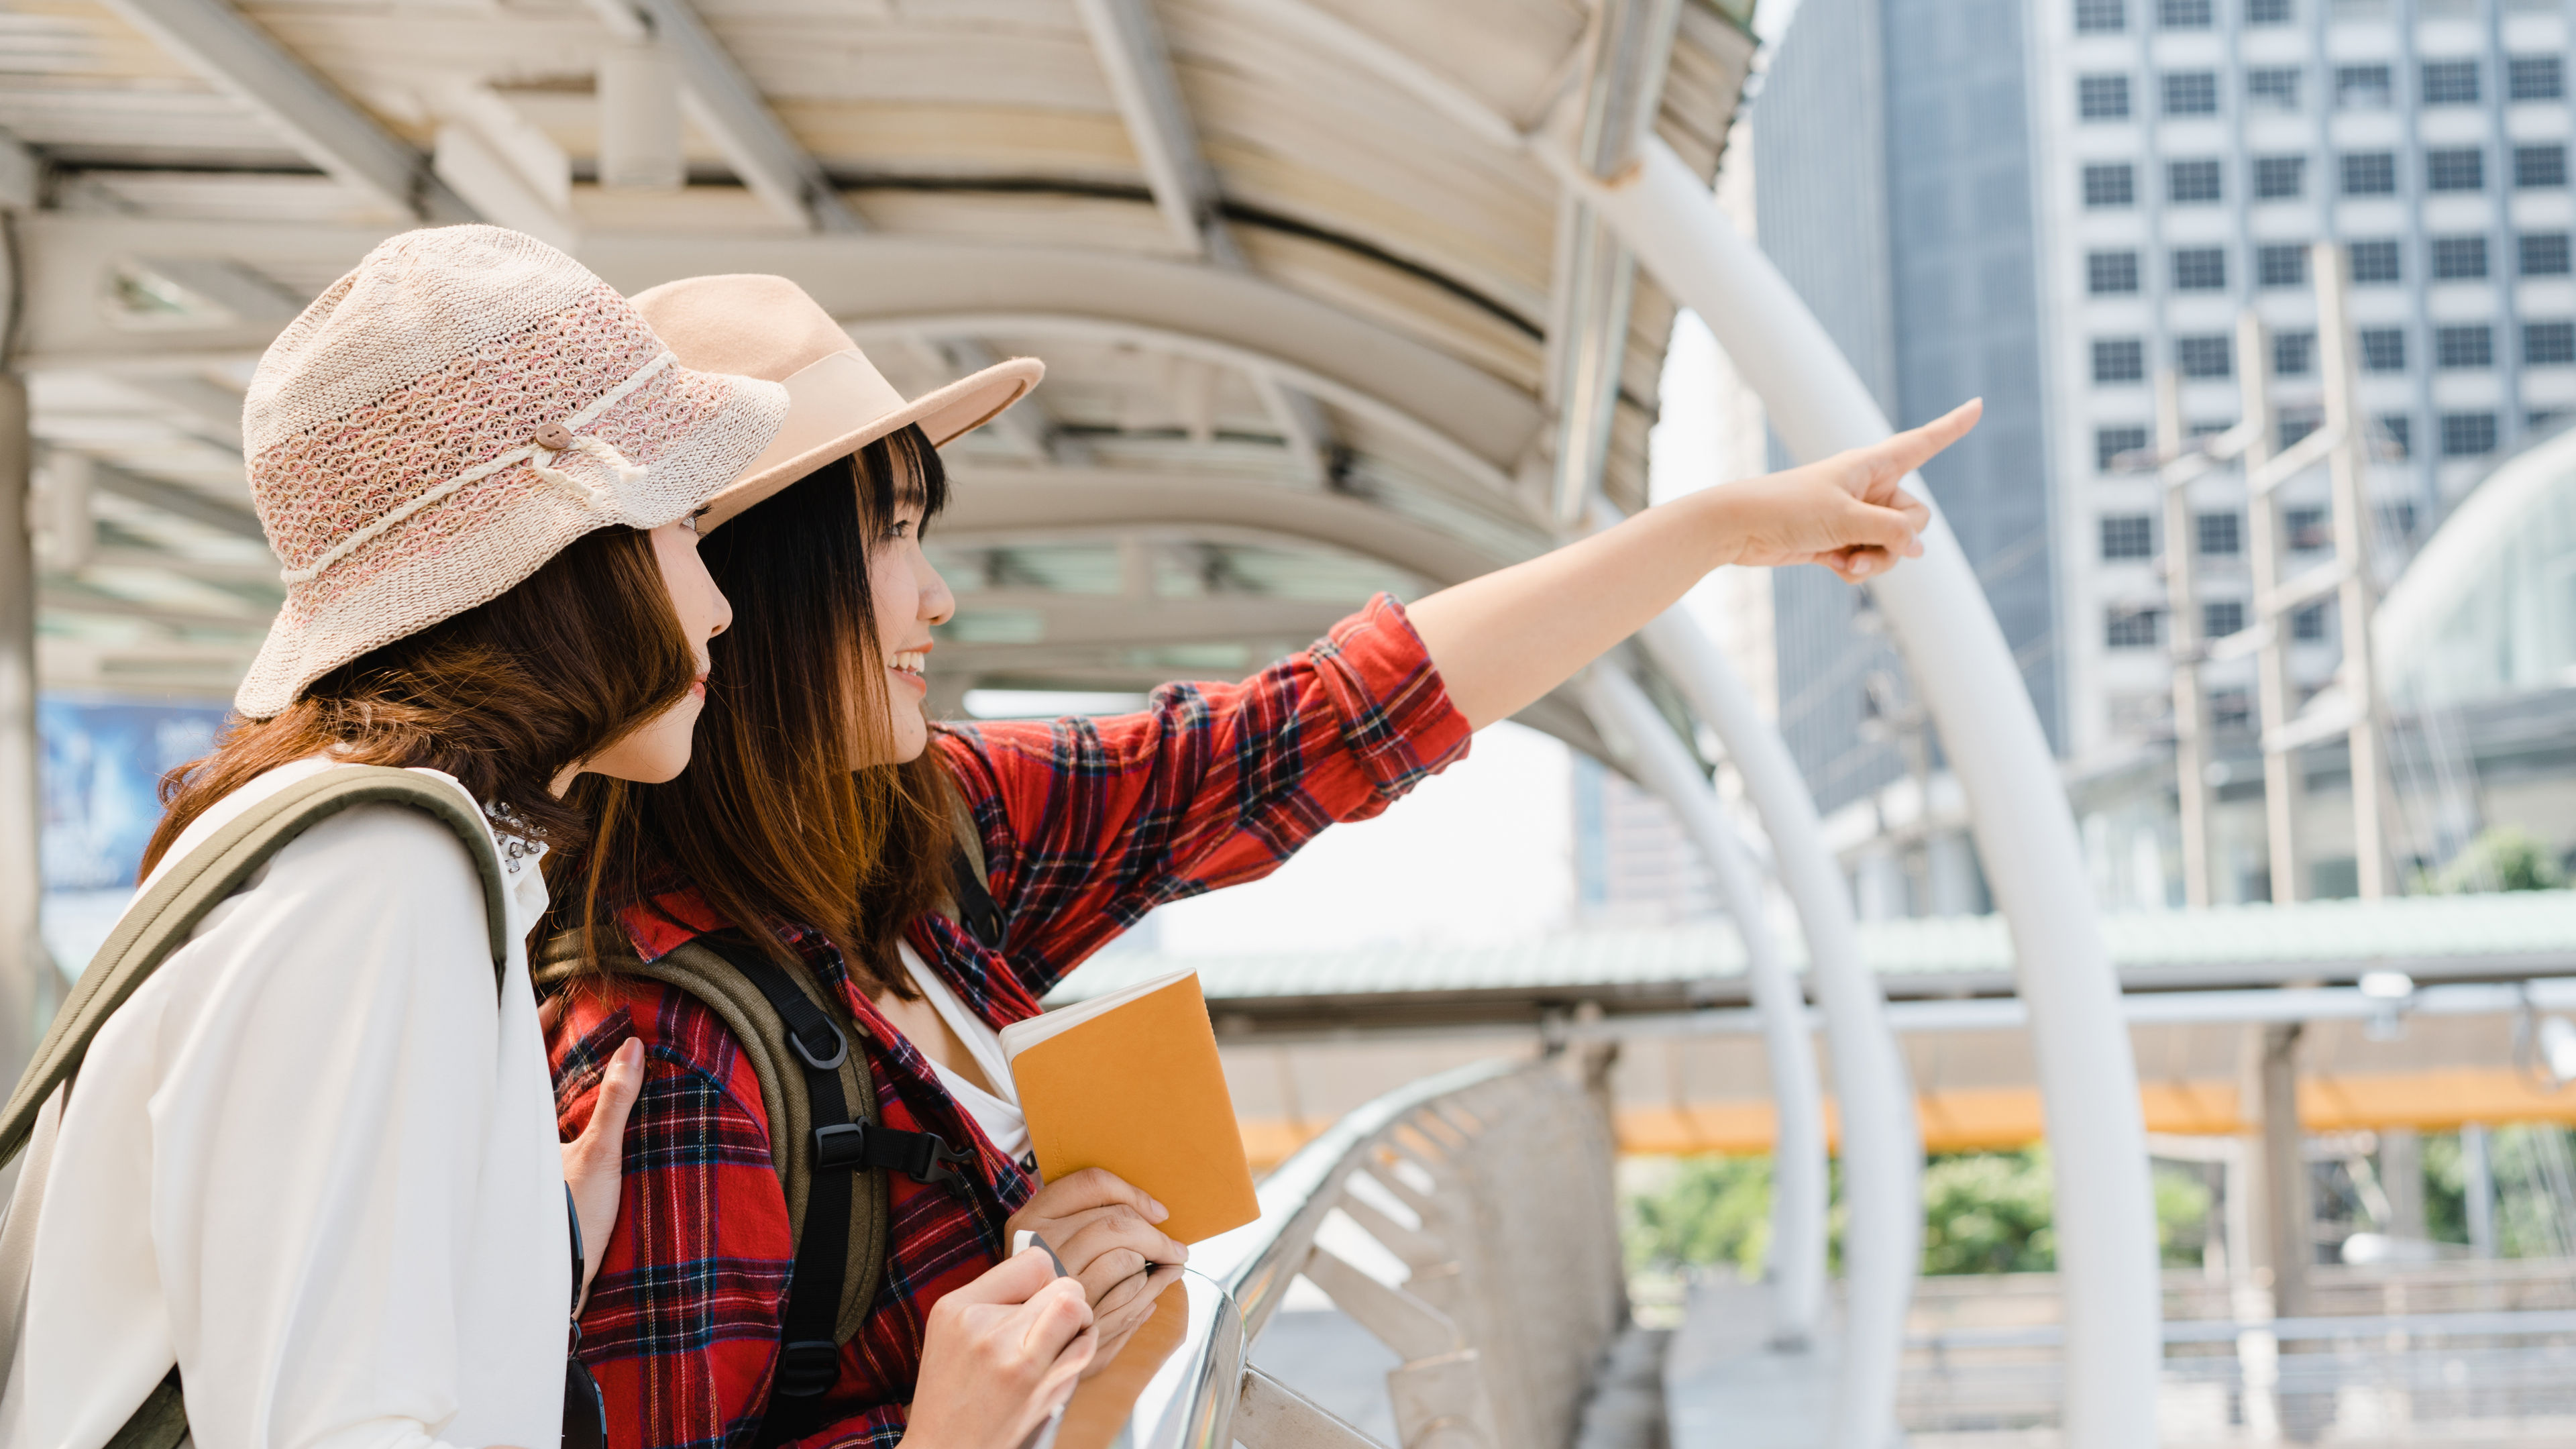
(771, 823)
(502, 696)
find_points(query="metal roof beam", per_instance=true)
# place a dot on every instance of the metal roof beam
(734, 114)
(1128, 39)
(176, 499)
(219, 43)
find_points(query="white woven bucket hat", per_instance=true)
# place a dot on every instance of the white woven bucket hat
(450, 416)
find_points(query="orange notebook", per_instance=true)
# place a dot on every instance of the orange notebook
(1131, 1082)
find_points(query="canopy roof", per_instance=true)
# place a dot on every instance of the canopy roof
(1307, 336)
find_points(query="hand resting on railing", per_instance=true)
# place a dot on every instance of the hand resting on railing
(999, 1355)
(1102, 1226)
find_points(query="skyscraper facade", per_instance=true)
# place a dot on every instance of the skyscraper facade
(2050, 202)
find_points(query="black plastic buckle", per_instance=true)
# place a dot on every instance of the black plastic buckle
(807, 1368)
(922, 1156)
(933, 1160)
(840, 1047)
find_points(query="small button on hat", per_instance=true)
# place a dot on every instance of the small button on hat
(447, 418)
(767, 327)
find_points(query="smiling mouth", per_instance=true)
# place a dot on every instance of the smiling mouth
(910, 662)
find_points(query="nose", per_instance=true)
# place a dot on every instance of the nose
(722, 618)
(938, 605)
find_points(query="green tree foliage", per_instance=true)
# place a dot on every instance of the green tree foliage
(1988, 1212)
(1984, 1212)
(2503, 858)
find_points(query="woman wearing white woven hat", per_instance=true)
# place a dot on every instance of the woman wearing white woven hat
(1083, 826)
(306, 1162)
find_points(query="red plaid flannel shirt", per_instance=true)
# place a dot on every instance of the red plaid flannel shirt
(1087, 825)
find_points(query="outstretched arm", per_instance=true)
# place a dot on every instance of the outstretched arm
(1502, 641)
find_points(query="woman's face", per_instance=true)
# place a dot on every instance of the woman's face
(909, 597)
(659, 750)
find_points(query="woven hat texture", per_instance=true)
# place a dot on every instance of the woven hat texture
(451, 415)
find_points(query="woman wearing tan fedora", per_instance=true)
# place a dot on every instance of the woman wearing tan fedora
(817, 830)
(306, 1160)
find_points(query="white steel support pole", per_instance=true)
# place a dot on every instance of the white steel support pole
(2357, 596)
(1882, 1143)
(2283, 777)
(2183, 641)
(28, 985)
(1798, 1179)
(2106, 1238)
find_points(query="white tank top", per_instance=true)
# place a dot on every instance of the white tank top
(998, 1115)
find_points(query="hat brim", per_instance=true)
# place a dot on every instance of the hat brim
(840, 404)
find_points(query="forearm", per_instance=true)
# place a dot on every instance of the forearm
(1504, 640)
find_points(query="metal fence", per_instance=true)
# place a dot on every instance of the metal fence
(1492, 1185)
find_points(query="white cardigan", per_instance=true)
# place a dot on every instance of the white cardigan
(312, 1164)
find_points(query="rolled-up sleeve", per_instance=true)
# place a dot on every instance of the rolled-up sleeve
(1088, 824)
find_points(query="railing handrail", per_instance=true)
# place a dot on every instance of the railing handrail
(1237, 1279)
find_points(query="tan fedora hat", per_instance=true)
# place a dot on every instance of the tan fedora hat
(837, 401)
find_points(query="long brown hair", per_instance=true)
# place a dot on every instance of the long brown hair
(771, 823)
(502, 696)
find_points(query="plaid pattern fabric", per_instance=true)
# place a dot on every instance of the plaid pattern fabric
(1087, 825)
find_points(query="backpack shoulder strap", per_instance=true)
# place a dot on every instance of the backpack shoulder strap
(970, 900)
(158, 924)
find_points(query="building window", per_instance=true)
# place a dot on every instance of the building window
(2396, 437)
(2450, 82)
(2541, 253)
(2370, 173)
(2470, 345)
(2294, 354)
(2103, 97)
(2128, 535)
(2279, 177)
(2230, 709)
(2468, 435)
(2221, 617)
(2200, 269)
(2267, 12)
(2111, 274)
(2548, 344)
(2534, 78)
(2383, 349)
(2398, 518)
(2295, 424)
(2189, 183)
(2459, 258)
(2221, 534)
(2183, 14)
(2308, 625)
(2539, 165)
(2283, 264)
(2131, 628)
(2110, 443)
(2374, 262)
(2272, 88)
(2101, 17)
(2110, 184)
(2458, 168)
(2211, 356)
(2307, 529)
(2543, 420)
(2191, 93)
(2363, 88)
(2119, 359)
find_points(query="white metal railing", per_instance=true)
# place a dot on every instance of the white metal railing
(1515, 1291)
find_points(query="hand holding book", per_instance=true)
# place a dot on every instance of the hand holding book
(1102, 1231)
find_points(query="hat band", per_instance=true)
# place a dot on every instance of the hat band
(592, 497)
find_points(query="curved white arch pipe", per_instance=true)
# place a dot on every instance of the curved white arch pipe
(1799, 1189)
(1882, 1145)
(1956, 655)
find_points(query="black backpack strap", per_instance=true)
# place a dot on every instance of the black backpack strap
(844, 1144)
(969, 890)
